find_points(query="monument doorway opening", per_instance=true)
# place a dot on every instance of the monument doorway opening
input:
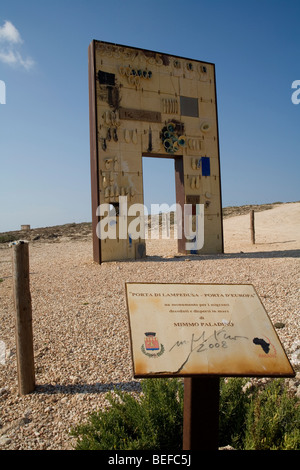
(163, 190)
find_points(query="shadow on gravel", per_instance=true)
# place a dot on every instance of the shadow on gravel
(241, 254)
(72, 389)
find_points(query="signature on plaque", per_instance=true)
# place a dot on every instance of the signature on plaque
(218, 340)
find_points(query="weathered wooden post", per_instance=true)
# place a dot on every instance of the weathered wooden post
(23, 317)
(252, 227)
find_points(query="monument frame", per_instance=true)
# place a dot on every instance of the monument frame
(145, 95)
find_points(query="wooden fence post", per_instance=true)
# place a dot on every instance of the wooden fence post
(23, 318)
(252, 227)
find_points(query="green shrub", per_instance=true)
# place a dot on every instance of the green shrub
(152, 422)
(273, 420)
(233, 407)
(250, 418)
(7, 238)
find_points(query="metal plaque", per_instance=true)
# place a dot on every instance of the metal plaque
(202, 329)
(191, 199)
(139, 115)
(189, 106)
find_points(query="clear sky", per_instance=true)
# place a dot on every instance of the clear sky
(44, 123)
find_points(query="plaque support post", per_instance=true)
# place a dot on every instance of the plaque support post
(201, 413)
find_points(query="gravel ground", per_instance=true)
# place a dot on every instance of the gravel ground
(80, 326)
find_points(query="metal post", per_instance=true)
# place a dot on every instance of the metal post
(23, 318)
(201, 413)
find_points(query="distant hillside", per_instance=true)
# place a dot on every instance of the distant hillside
(232, 211)
(83, 230)
(50, 234)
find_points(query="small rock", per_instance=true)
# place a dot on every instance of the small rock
(4, 440)
(49, 408)
(9, 353)
(279, 325)
(295, 357)
(24, 420)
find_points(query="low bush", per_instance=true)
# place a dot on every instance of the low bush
(250, 418)
(151, 422)
(233, 408)
(273, 420)
(7, 238)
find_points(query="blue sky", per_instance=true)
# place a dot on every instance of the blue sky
(44, 124)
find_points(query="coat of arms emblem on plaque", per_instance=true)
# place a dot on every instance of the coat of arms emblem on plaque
(151, 346)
